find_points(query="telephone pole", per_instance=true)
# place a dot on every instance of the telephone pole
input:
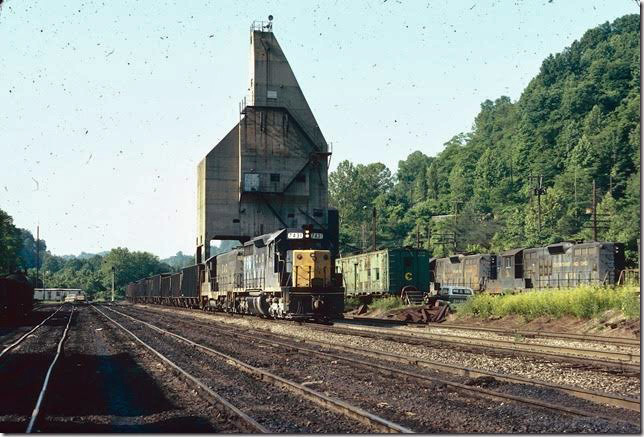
(539, 190)
(594, 211)
(37, 252)
(373, 215)
(113, 269)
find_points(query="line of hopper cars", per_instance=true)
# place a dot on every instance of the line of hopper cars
(565, 264)
(16, 297)
(284, 274)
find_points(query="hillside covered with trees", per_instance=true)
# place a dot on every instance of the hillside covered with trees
(577, 121)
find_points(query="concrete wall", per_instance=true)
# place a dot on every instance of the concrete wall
(272, 73)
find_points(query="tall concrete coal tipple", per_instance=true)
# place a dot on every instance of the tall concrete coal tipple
(270, 171)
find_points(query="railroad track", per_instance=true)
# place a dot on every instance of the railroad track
(622, 361)
(27, 334)
(490, 347)
(604, 398)
(37, 411)
(245, 422)
(526, 333)
(335, 405)
(544, 334)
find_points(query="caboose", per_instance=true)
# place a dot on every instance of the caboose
(387, 272)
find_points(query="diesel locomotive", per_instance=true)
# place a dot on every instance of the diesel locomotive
(285, 274)
(557, 265)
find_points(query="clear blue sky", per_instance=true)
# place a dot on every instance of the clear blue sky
(106, 107)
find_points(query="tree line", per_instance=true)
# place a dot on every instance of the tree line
(91, 272)
(576, 122)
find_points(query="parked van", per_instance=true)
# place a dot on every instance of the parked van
(454, 293)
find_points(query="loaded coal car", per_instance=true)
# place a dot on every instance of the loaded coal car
(189, 287)
(471, 271)
(16, 297)
(285, 274)
(175, 288)
(388, 272)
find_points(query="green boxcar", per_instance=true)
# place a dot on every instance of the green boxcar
(384, 272)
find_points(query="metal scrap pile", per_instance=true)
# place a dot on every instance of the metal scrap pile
(426, 314)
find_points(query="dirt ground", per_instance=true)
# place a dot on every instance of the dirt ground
(101, 383)
(611, 323)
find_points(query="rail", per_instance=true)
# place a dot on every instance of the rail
(41, 396)
(544, 334)
(606, 398)
(623, 402)
(336, 405)
(24, 337)
(250, 424)
(502, 346)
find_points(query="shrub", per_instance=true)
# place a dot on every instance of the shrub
(351, 303)
(387, 303)
(584, 302)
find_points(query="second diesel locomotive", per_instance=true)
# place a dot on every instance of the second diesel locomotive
(286, 274)
(557, 265)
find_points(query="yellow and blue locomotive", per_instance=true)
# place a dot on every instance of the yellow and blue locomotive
(285, 274)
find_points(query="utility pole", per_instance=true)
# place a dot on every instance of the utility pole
(539, 190)
(594, 211)
(364, 238)
(374, 227)
(37, 252)
(429, 234)
(113, 269)
(418, 235)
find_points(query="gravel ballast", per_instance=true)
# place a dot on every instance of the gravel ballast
(404, 402)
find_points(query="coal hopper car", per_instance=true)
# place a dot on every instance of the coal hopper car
(16, 297)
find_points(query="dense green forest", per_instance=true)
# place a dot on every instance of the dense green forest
(577, 121)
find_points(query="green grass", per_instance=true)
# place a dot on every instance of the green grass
(387, 303)
(351, 303)
(583, 302)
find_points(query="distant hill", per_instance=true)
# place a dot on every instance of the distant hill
(179, 261)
